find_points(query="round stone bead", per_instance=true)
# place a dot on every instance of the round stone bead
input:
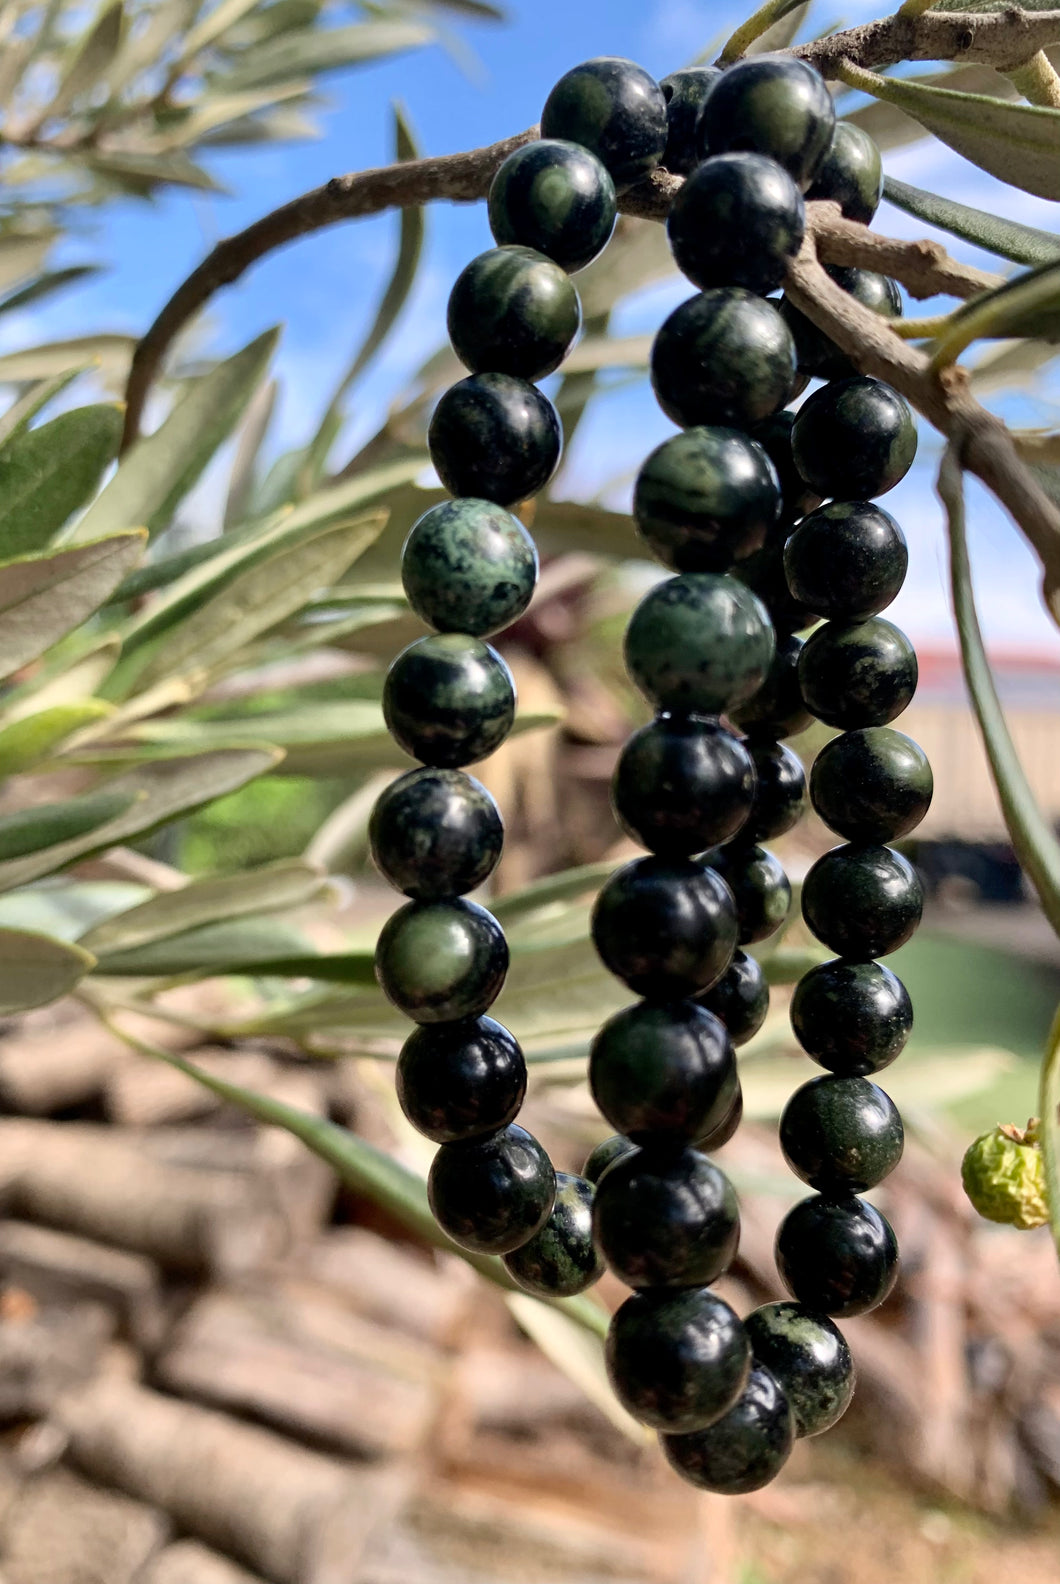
(742, 1451)
(773, 434)
(459, 1080)
(740, 999)
(851, 1017)
(556, 198)
(699, 643)
(666, 927)
(677, 1360)
(492, 1194)
(760, 888)
(441, 961)
(846, 561)
(666, 1219)
(614, 108)
(774, 105)
(780, 793)
(851, 173)
(837, 1256)
(468, 566)
(718, 1137)
(818, 355)
(706, 498)
(763, 573)
(604, 1154)
(560, 1259)
(724, 357)
(449, 700)
(435, 834)
(663, 1071)
(857, 674)
(841, 1135)
(681, 784)
(685, 93)
(738, 220)
(854, 439)
(873, 785)
(777, 709)
(513, 311)
(808, 1357)
(495, 437)
(862, 901)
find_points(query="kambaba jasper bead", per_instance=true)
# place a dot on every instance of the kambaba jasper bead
(872, 785)
(496, 437)
(613, 107)
(809, 1359)
(776, 709)
(724, 357)
(663, 1072)
(818, 354)
(677, 1360)
(862, 901)
(468, 566)
(449, 700)
(851, 1017)
(743, 1450)
(560, 1260)
(837, 1256)
(719, 1136)
(666, 927)
(557, 198)
(699, 643)
(854, 439)
(773, 434)
(706, 498)
(685, 93)
(841, 1135)
(513, 311)
(435, 834)
(740, 999)
(738, 220)
(459, 1080)
(850, 174)
(774, 105)
(846, 561)
(441, 961)
(760, 888)
(492, 1194)
(666, 1219)
(780, 792)
(604, 1154)
(857, 674)
(682, 784)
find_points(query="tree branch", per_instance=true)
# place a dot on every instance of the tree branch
(1003, 38)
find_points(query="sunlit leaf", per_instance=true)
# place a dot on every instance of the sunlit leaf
(47, 473)
(1008, 239)
(22, 412)
(138, 171)
(35, 969)
(231, 946)
(90, 62)
(27, 742)
(111, 354)
(43, 597)
(317, 51)
(47, 824)
(46, 285)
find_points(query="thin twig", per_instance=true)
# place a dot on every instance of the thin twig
(1004, 38)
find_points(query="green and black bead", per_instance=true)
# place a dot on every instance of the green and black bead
(665, 926)
(740, 1000)
(851, 1017)
(468, 566)
(872, 785)
(560, 1259)
(841, 1135)
(663, 1071)
(858, 673)
(777, 708)
(760, 888)
(818, 355)
(604, 1154)
(613, 107)
(846, 561)
(780, 792)
(685, 93)
(738, 220)
(496, 437)
(682, 784)
(460, 1080)
(724, 357)
(513, 311)
(666, 1219)
(854, 439)
(492, 1194)
(441, 961)
(837, 1256)
(862, 901)
(677, 1360)
(557, 198)
(699, 643)
(774, 105)
(449, 700)
(435, 834)
(808, 1357)
(745, 1449)
(706, 498)
(851, 173)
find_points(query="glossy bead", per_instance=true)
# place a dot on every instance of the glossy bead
(808, 1357)
(760, 888)
(773, 434)
(685, 93)
(780, 792)
(851, 173)
(837, 1256)
(614, 108)
(560, 1259)
(857, 674)
(846, 561)
(459, 1080)
(604, 1154)
(742, 1451)
(724, 357)
(862, 901)
(841, 1135)
(496, 437)
(441, 961)
(854, 439)
(775, 105)
(738, 220)
(706, 498)
(663, 1071)
(492, 1194)
(681, 784)
(851, 1017)
(740, 999)
(777, 709)
(666, 927)
(699, 643)
(468, 566)
(763, 573)
(513, 311)
(873, 785)
(718, 1137)
(818, 354)
(449, 700)
(435, 834)
(677, 1360)
(556, 198)
(666, 1219)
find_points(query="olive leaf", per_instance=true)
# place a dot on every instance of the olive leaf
(1029, 305)
(36, 969)
(46, 474)
(43, 597)
(26, 742)
(47, 824)
(1006, 238)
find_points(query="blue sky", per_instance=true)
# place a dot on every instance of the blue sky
(325, 287)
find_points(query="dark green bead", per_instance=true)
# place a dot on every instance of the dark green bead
(818, 355)
(718, 1137)
(513, 311)
(685, 93)
(808, 1357)
(699, 643)
(760, 888)
(846, 561)
(560, 1260)
(681, 784)
(663, 1071)
(851, 1017)
(854, 439)
(744, 1450)
(666, 1219)
(449, 700)
(763, 573)
(837, 1256)
(774, 105)
(469, 566)
(491, 1195)
(706, 498)
(841, 1135)
(604, 1154)
(441, 961)
(554, 197)
(851, 173)
(780, 793)
(724, 357)
(738, 220)
(873, 785)
(774, 436)
(862, 901)
(777, 709)
(665, 926)
(857, 674)
(677, 1360)
(435, 834)
(614, 108)
(459, 1080)
(740, 999)
(495, 437)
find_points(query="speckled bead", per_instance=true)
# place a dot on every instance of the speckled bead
(773, 434)
(738, 220)
(846, 561)
(851, 1017)
(613, 107)
(871, 786)
(699, 643)
(837, 1257)
(818, 355)
(808, 1357)
(857, 674)
(742, 1451)
(560, 1259)
(780, 792)
(495, 437)
(740, 999)
(663, 1071)
(706, 498)
(441, 961)
(862, 901)
(435, 834)
(665, 927)
(854, 439)
(775, 105)
(777, 708)
(605, 1154)
(449, 700)
(760, 888)
(718, 1137)
(666, 1219)
(763, 573)
(851, 173)
(682, 784)
(677, 1360)
(685, 93)
(556, 198)
(457, 1081)
(841, 1135)
(468, 566)
(513, 311)
(724, 357)
(491, 1195)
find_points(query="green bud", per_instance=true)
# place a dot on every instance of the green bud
(1004, 1176)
